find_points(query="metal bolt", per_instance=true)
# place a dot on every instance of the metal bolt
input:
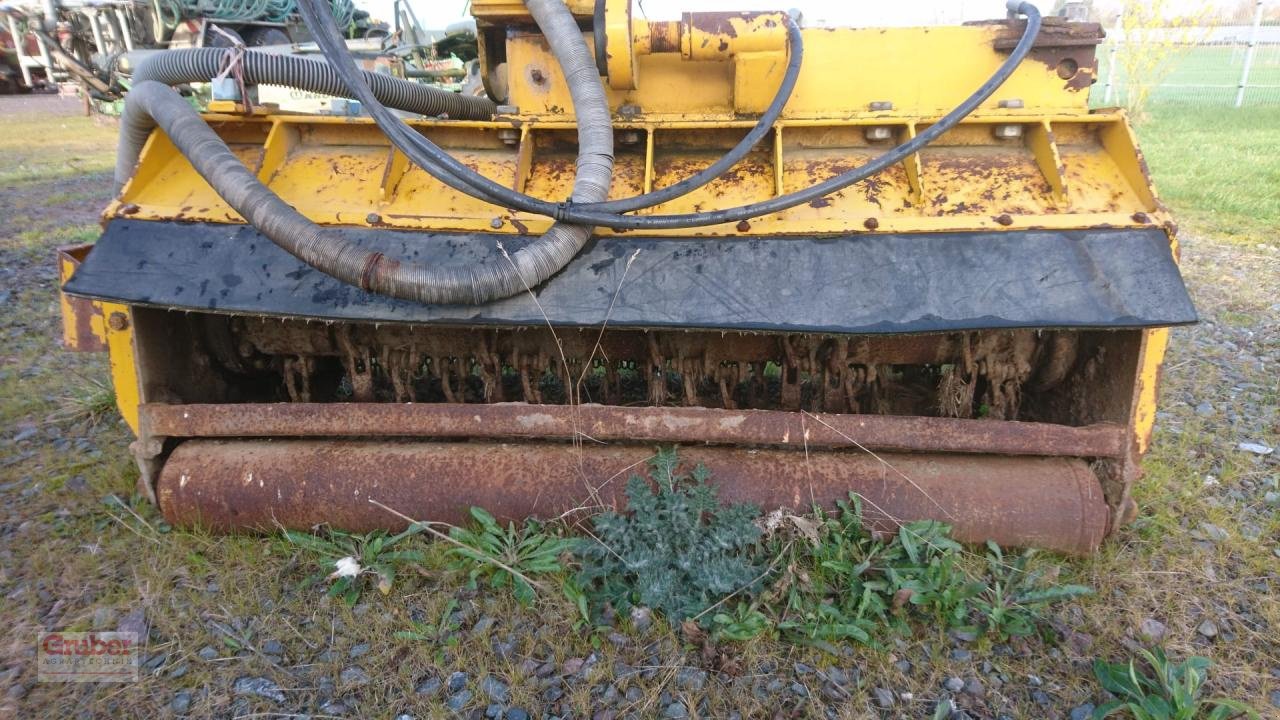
(1007, 131)
(495, 223)
(1141, 217)
(129, 209)
(373, 218)
(506, 110)
(744, 226)
(537, 76)
(878, 133)
(1004, 219)
(871, 223)
(880, 105)
(629, 137)
(509, 136)
(629, 110)
(1011, 104)
(117, 321)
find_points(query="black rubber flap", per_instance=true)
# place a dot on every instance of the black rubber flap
(874, 283)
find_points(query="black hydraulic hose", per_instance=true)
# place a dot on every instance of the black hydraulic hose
(795, 57)
(432, 158)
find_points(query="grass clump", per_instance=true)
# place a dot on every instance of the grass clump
(1170, 691)
(91, 401)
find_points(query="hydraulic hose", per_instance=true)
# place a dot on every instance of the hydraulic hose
(434, 160)
(152, 103)
(175, 67)
(459, 177)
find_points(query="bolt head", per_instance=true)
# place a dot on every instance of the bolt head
(1007, 131)
(878, 133)
(509, 136)
(117, 321)
(495, 223)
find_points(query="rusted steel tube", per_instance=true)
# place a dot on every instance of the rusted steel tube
(634, 424)
(226, 485)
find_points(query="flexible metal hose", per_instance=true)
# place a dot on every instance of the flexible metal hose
(151, 103)
(176, 67)
(188, 65)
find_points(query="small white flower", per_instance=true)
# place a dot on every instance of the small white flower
(346, 567)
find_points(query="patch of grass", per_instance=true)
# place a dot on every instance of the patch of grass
(37, 147)
(1217, 168)
(90, 401)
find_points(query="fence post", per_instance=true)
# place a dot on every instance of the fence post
(1248, 53)
(1111, 60)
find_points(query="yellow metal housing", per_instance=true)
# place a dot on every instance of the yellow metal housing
(1034, 156)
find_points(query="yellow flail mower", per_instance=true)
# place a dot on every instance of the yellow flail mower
(906, 263)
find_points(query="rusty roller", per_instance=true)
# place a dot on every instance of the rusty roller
(1053, 503)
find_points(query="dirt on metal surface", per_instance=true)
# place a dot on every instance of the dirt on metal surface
(599, 423)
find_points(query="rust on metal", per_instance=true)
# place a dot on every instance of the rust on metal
(79, 314)
(1068, 48)
(635, 424)
(227, 485)
(664, 36)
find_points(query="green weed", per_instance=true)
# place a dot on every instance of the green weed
(350, 557)
(1010, 603)
(676, 550)
(1170, 692)
(507, 557)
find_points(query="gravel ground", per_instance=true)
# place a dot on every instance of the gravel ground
(232, 634)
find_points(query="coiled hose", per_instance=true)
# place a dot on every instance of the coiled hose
(151, 103)
(175, 67)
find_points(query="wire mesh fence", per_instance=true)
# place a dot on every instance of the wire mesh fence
(1217, 55)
